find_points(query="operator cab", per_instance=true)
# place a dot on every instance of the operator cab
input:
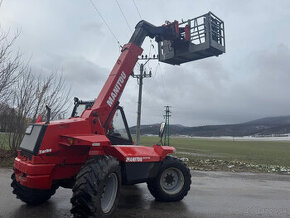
(118, 132)
(80, 106)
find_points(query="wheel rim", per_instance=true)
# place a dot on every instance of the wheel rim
(110, 193)
(172, 181)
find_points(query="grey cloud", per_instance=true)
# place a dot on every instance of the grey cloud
(93, 27)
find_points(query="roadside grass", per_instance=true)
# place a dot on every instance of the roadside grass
(218, 154)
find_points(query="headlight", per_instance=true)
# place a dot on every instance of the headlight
(29, 129)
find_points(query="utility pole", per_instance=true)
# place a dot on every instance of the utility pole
(140, 76)
(167, 132)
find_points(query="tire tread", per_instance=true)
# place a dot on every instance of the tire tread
(88, 181)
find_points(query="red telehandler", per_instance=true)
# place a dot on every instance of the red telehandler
(87, 152)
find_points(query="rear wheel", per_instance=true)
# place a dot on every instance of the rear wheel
(31, 196)
(96, 191)
(172, 182)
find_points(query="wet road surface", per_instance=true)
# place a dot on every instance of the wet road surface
(213, 194)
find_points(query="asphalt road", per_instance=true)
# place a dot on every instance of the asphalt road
(213, 194)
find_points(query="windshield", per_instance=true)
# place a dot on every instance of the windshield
(80, 107)
(119, 128)
(79, 110)
(32, 138)
(119, 133)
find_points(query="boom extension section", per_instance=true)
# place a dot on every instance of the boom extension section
(177, 44)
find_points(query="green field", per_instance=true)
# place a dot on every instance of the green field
(215, 154)
(218, 154)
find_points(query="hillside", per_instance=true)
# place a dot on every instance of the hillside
(264, 126)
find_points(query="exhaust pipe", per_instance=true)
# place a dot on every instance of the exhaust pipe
(47, 114)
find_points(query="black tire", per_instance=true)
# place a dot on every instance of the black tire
(172, 182)
(31, 196)
(89, 190)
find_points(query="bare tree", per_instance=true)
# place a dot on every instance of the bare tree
(23, 102)
(58, 97)
(51, 91)
(23, 95)
(10, 65)
(31, 94)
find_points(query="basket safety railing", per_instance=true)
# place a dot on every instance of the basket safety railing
(205, 28)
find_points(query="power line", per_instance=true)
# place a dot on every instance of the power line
(104, 21)
(151, 42)
(151, 45)
(123, 15)
(137, 9)
(156, 69)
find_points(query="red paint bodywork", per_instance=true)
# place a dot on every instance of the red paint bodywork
(67, 144)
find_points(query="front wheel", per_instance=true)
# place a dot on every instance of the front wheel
(172, 182)
(96, 191)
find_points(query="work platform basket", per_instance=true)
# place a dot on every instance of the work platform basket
(199, 38)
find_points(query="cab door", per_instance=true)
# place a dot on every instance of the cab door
(120, 133)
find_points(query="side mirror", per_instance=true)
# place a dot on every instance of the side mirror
(162, 129)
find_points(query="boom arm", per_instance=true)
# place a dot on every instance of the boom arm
(107, 101)
(178, 43)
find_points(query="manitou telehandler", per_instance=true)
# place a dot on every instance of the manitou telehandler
(87, 152)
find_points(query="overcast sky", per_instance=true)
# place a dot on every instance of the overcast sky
(250, 81)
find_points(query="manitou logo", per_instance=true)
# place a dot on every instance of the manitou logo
(116, 89)
(134, 159)
(137, 159)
